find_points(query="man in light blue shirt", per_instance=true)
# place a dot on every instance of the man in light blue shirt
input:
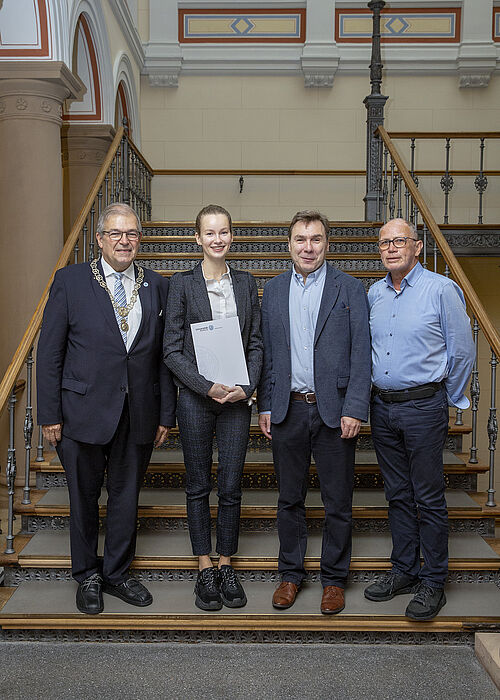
(422, 357)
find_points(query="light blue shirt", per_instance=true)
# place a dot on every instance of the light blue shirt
(304, 302)
(421, 334)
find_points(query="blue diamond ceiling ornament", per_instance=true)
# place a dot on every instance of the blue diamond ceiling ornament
(242, 26)
(397, 25)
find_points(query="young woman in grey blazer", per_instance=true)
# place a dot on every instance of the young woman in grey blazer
(213, 290)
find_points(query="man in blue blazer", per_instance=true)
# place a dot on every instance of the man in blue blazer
(105, 397)
(313, 394)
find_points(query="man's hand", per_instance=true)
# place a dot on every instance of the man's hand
(265, 424)
(161, 435)
(234, 393)
(52, 433)
(217, 392)
(350, 427)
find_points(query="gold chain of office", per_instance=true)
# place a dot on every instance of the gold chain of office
(122, 311)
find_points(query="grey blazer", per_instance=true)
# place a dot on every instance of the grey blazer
(188, 303)
(342, 355)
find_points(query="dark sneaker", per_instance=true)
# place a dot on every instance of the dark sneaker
(89, 595)
(207, 590)
(131, 591)
(231, 590)
(426, 603)
(390, 584)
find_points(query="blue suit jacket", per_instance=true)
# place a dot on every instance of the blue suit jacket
(342, 357)
(84, 369)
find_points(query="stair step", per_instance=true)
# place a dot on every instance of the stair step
(251, 498)
(257, 550)
(51, 605)
(173, 460)
(360, 229)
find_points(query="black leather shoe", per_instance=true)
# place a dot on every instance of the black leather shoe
(231, 590)
(89, 595)
(207, 590)
(426, 603)
(390, 584)
(131, 591)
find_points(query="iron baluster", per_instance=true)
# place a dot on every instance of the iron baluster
(28, 427)
(475, 391)
(106, 189)
(76, 251)
(99, 202)
(112, 180)
(125, 157)
(148, 195)
(492, 431)
(446, 270)
(385, 192)
(92, 232)
(435, 257)
(481, 181)
(84, 240)
(11, 473)
(424, 233)
(399, 180)
(407, 204)
(392, 204)
(447, 181)
(39, 447)
(459, 417)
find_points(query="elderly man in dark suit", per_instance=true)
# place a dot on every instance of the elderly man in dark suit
(313, 395)
(105, 398)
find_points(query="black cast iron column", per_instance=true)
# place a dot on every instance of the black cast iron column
(374, 104)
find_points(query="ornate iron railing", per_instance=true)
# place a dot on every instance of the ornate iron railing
(478, 178)
(124, 176)
(398, 196)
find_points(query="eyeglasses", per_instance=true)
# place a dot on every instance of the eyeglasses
(115, 235)
(398, 242)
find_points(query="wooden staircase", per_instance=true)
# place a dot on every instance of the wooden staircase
(39, 593)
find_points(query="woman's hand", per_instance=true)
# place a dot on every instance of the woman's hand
(233, 394)
(218, 392)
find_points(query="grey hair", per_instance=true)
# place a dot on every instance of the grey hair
(117, 208)
(409, 224)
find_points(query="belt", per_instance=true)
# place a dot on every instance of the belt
(307, 396)
(423, 391)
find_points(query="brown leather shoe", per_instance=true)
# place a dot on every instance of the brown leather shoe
(284, 596)
(333, 600)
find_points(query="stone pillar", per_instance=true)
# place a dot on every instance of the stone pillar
(84, 147)
(31, 225)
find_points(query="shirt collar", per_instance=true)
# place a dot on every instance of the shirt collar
(315, 277)
(226, 274)
(109, 271)
(411, 278)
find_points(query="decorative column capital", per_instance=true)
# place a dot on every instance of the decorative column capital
(84, 144)
(31, 90)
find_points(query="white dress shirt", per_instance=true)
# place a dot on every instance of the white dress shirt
(128, 281)
(221, 296)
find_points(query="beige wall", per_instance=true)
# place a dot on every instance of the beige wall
(258, 122)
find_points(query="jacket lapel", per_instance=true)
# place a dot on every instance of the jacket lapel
(330, 293)
(145, 298)
(200, 294)
(284, 302)
(105, 305)
(240, 296)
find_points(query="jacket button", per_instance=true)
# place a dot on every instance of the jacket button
(123, 388)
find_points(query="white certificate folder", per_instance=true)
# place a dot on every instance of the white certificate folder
(219, 351)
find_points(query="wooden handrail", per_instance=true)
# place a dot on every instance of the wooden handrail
(444, 134)
(29, 336)
(140, 156)
(309, 173)
(456, 270)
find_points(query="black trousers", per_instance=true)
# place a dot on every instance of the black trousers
(409, 438)
(125, 463)
(301, 434)
(200, 418)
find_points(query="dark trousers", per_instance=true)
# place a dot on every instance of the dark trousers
(301, 434)
(124, 462)
(199, 419)
(409, 438)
